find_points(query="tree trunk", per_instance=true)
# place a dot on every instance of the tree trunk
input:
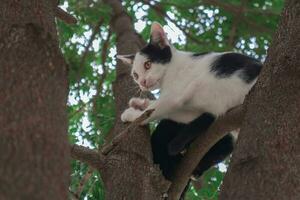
(266, 162)
(128, 172)
(33, 91)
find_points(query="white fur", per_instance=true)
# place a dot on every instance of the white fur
(130, 114)
(187, 88)
(153, 76)
(235, 134)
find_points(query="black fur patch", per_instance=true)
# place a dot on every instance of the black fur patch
(157, 54)
(200, 54)
(221, 150)
(166, 131)
(229, 63)
(190, 132)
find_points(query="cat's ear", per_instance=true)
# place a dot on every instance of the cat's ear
(158, 35)
(127, 59)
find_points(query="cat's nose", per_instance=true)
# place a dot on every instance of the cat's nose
(144, 83)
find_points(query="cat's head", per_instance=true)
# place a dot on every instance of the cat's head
(150, 63)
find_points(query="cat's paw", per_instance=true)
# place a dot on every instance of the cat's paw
(130, 114)
(139, 103)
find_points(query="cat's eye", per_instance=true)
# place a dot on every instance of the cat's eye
(135, 76)
(147, 65)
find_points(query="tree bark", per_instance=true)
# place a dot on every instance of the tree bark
(128, 171)
(266, 162)
(33, 91)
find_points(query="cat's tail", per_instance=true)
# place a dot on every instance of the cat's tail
(219, 152)
(190, 133)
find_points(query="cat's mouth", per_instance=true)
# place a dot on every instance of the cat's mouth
(151, 87)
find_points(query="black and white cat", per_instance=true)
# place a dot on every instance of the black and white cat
(194, 90)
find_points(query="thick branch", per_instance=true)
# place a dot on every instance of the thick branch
(88, 156)
(231, 121)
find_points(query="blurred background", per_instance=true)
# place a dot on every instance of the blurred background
(89, 48)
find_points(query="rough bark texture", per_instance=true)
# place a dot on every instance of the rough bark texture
(128, 42)
(266, 163)
(33, 89)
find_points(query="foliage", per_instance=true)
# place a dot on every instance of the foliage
(89, 48)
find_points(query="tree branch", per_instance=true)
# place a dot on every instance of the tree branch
(64, 16)
(83, 181)
(73, 196)
(235, 10)
(97, 159)
(104, 53)
(235, 23)
(86, 49)
(88, 156)
(106, 149)
(224, 124)
(159, 10)
(99, 88)
(229, 7)
(232, 33)
(102, 77)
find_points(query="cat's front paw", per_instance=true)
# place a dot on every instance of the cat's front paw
(139, 103)
(130, 114)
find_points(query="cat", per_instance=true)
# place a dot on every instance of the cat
(195, 88)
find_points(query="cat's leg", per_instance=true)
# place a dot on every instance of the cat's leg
(130, 114)
(164, 132)
(162, 107)
(135, 111)
(168, 103)
(165, 105)
(219, 152)
(190, 132)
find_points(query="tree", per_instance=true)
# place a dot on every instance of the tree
(267, 154)
(247, 28)
(239, 32)
(33, 92)
(116, 159)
